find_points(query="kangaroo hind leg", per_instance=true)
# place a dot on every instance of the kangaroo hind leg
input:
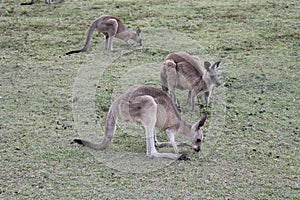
(111, 32)
(145, 111)
(106, 41)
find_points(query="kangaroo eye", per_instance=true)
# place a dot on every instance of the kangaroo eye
(198, 140)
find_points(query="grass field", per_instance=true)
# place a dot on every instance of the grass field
(47, 99)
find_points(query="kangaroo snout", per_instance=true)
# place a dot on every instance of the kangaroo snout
(197, 148)
(218, 83)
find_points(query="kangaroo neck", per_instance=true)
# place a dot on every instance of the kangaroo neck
(124, 34)
(201, 85)
(185, 129)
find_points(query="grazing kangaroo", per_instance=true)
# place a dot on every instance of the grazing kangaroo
(111, 27)
(152, 108)
(183, 71)
(46, 1)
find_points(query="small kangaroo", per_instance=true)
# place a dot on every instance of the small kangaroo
(183, 71)
(46, 1)
(111, 27)
(152, 108)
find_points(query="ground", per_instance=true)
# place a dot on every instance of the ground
(47, 99)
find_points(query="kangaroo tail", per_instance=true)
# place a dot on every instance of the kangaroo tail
(88, 39)
(110, 128)
(76, 51)
(169, 63)
(164, 83)
(29, 3)
(61, 1)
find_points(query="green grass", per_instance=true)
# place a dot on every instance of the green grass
(253, 137)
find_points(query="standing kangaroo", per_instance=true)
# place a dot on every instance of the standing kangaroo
(111, 27)
(183, 71)
(152, 108)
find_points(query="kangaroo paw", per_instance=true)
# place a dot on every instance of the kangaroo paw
(178, 108)
(201, 105)
(183, 157)
(156, 144)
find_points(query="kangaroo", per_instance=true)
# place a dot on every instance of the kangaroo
(111, 27)
(183, 71)
(46, 1)
(152, 108)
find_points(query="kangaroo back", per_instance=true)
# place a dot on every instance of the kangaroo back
(191, 61)
(181, 70)
(121, 26)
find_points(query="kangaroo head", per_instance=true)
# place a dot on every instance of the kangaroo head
(198, 134)
(137, 36)
(212, 73)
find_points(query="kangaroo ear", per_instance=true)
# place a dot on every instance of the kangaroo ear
(207, 65)
(138, 31)
(202, 121)
(217, 64)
